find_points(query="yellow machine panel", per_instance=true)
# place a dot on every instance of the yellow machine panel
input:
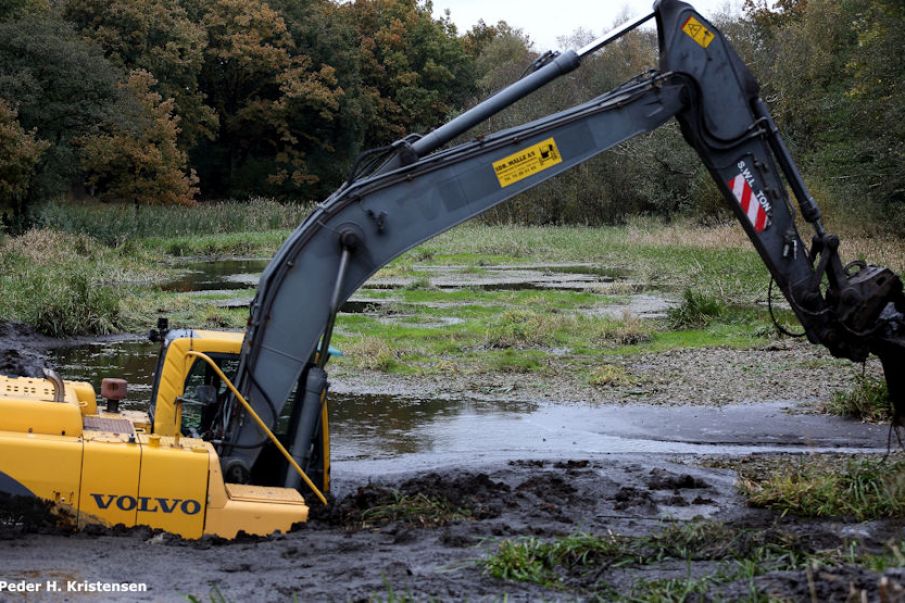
(37, 416)
(172, 494)
(176, 367)
(108, 468)
(48, 466)
(252, 509)
(110, 475)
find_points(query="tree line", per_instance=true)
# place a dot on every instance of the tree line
(171, 101)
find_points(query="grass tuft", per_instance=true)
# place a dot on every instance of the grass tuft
(524, 328)
(373, 353)
(540, 561)
(510, 361)
(611, 375)
(862, 489)
(417, 510)
(631, 330)
(697, 310)
(867, 401)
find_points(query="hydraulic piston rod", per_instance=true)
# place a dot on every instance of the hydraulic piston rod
(312, 398)
(560, 65)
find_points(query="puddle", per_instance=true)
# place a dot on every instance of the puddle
(386, 434)
(133, 361)
(642, 306)
(218, 275)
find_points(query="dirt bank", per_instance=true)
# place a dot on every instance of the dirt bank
(782, 371)
(23, 350)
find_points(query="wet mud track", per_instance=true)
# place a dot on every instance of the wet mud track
(352, 552)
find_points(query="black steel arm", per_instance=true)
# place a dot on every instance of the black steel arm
(420, 192)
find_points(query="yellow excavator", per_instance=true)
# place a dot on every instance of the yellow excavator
(236, 437)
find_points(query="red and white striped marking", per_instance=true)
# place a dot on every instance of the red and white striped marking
(750, 205)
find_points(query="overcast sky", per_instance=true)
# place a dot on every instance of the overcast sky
(545, 20)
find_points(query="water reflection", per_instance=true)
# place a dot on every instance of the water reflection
(375, 425)
(220, 274)
(133, 361)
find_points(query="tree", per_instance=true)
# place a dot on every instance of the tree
(62, 87)
(837, 96)
(139, 159)
(157, 36)
(272, 103)
(877, 94)
(778, 13)
(324, 32)
(19, 155)
(415, 71)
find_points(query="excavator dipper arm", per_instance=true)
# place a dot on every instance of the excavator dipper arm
(419, 192)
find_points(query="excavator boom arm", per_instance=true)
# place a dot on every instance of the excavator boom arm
(419, 192)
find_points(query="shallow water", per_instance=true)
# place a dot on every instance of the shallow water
(133, 361)
(218, 275)
(383, 431)
(379, 430)
(390, 432)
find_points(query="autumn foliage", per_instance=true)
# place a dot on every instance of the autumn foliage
(171, 101)
(138, 159)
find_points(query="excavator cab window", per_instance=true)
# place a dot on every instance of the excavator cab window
(204, 394)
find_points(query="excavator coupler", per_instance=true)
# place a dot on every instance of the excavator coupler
(891, 352)
(889, 346)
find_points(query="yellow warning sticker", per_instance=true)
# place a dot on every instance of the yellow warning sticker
(697, 32)
(527, 162)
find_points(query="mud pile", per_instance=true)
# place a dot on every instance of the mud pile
(428, 536)
(19, 355)
(21, 515)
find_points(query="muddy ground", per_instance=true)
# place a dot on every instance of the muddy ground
(350, 554)
(782, 370)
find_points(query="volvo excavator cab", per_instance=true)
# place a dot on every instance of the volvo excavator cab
(191, 396)
(238, 422)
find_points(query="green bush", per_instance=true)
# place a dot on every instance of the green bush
(867, 401)
(697, 310)
(68, 304)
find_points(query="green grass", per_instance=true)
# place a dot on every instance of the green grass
(417, 510)
(65, 285)
(258, 244)
(862, 489)
(113, 224)
(510, 361)
(520, 331)
(672, 590)
(540, 561)
(583, 562)
(868, 401)
(697, 310)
